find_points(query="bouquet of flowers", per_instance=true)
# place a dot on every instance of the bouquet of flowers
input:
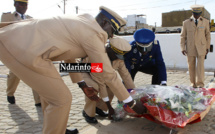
(172, 106)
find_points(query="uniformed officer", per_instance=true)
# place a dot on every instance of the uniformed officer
(13, 80)
(195, 44)
(21, 7)
(62, 38)
(115, 50)
(145, 56)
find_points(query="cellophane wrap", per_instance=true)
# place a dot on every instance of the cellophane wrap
(172, 106)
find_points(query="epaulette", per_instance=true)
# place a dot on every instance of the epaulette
(155, 42)
(7, 13)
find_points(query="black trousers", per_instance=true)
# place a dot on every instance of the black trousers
(152, 70)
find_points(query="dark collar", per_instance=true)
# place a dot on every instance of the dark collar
(200, 18)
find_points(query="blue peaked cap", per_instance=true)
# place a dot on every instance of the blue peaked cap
(144, 36)
(114, 21)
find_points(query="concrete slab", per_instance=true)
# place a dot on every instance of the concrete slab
(24, 118)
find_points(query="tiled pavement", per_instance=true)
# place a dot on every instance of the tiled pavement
(24, 118)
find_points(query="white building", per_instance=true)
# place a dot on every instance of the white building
(133, 19)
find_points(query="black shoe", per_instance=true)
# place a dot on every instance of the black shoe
(88, 118)
(11, 99)
(38, 105)
(101, 113)
(71, 131)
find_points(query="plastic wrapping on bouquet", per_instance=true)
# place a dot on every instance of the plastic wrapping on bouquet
(175, 111)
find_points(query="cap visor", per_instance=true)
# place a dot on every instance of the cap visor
(197, 13)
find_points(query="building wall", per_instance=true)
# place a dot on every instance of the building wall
(132, 19)
(175, 18)
(206, 14)
(141, 25)
(171, 51)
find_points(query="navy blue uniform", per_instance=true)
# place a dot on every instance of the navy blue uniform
(151, 63)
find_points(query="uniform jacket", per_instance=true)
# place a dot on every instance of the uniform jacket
(195, 39)
(6, 17)
(36, 43)
(120, 67)
(133, 59)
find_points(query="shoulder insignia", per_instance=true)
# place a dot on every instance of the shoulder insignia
(155, 42)
(16, 14)
(7, 13)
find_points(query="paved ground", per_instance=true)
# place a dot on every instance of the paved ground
(25, 118)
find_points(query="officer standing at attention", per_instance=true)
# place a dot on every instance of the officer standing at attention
(13, 80)
(62, 38)
(115, 49)
(195, 44)
(145, 56)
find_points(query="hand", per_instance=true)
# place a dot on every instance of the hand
(111, 112)
(184, 52)
(90, 93)
(138, 108)
(207, 51)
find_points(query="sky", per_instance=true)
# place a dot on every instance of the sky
(152, 9)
